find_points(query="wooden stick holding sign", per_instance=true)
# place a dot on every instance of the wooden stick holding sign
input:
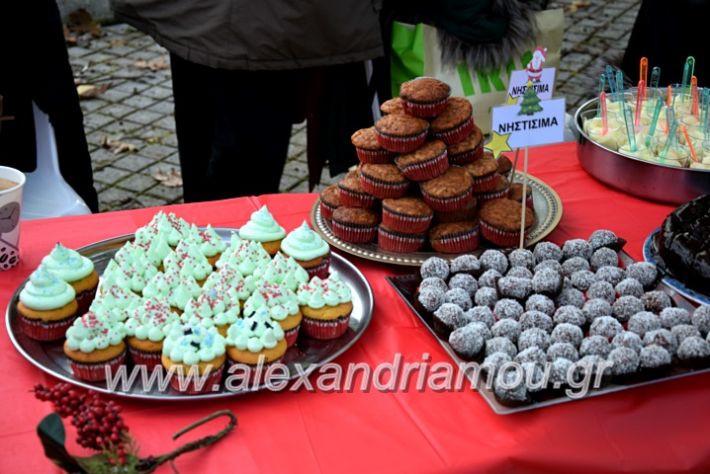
(523, 199)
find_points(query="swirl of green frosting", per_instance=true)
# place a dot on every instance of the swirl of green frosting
(255, 333)
(159, 286)
(212, 243)
(283, 271)
(191, 344)
(67, 264)
(190, 260)
(150, 320)
(303, 243)
(262, 227)
(246, 257)
(137, 268)
(45, 291)
(90, 333)
(224, 279)
(318, 293)
(114, 275)
(186, 289)
(117, 296)
(109, 309)
(278, 301)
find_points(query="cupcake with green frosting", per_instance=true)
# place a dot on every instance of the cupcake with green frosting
(280, 304)
(208, 241)
(256, 340)
(282, 271)
(185, 290)
(308, 249)
(326, 306)
(47, 306)
(211, 309)
(187, 259)
(114, 303)
(244, 255)
(194, 355)
(146, 329)
(223, 279)
(135, 268)
(75, 269)
(262, 228)
(95, 346)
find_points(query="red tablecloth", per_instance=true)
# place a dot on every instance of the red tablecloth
(661, 428)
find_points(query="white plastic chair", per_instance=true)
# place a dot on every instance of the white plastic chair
(46, 194)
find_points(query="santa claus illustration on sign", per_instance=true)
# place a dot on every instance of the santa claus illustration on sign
(536, 64)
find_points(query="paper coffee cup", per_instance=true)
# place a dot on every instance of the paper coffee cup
(11, 183)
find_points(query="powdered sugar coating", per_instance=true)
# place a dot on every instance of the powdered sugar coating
(532, 354)
(674, 316)
(569, 314)
(562, 349)
(535, 319)
(534, 377)
(568, 333)
(602, 238)
(512, 287)
(489, 278)
(467, 341)
(629, 340)
(595, 345)
(654, 357)
(459, 297)
(610, 274)
(574, 264)
(451, 316)
(494, 361)
(540, 303)
(508, 308)
(507, 390)
(519, 272)
(434, 282)
(486, 297)
(590, 364)
(625, 307)
(509, 328)
(603, 257)
(533, 337)
(605, 326)
(596, 308)
(582, 279)
(661, 337)
(553, 264)
(501, 344)
(430, 298)
(684, 331)
(482, 314)
(494, 259)
(547, 281)
(629, 287)
(701, 319)
(560, 371)
(624, 361)
(693, 348)
(655, 301)
(577, 248)
(644, 272)
(642, 322)
(435, 267)
(465, 263)
(603, 290)
(465, 282)
(547, 251)
(570, 296)
(522, 258)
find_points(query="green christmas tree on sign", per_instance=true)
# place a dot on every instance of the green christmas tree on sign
(531, 102)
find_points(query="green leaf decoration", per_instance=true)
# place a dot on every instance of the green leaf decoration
(51, 433)
(101, 464)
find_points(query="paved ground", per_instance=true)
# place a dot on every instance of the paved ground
(137, 108)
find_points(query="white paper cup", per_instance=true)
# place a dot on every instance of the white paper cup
(10, 207)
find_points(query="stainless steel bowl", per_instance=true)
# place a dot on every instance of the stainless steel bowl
(652, 181)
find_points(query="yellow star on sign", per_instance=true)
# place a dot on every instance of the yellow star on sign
(498, 144)
(511, 100)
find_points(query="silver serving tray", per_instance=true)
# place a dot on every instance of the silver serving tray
(652, 181)
(406, 285)
(310, 353)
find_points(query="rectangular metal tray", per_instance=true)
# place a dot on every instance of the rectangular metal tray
(406, 285)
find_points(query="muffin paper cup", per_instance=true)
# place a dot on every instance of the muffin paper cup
(375, 157)
(485, 183)
(499, 237)
(291, 335)
(401, 144)
(352, 199)
(41, 331)
(490, 195)
(322, 270)
(149, 359)
(399, 243)
(456, 134)
(425, 109)
(466, 157)
(447, 204)
(190, 387)
(84, 300)
(96, 372)
(326, 210)
(325, 330)
(460, 243)
(406, 224)
(354, 234)
(383, 190)
(428, 169)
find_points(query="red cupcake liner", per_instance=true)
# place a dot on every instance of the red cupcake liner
(456, 134)
(485, 183)
(401, 144)
(190, 384)
(291, 335)
(501, 238)
(383, 190)
(399, 243)
(459, 243)
(428, 169)
(425, 109)
(406, 224)
(322, 270)
(149, 359)
(490, 195)
(84, 300)
(325, 330)
(350, 198)
(449, 203)
(466, 157)
(97, 371)
(326, 210)
(45, 331)
(354, 234)
(375, 157)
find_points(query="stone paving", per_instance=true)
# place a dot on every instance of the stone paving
(137, 108)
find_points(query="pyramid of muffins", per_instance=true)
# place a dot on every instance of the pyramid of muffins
(424, 180)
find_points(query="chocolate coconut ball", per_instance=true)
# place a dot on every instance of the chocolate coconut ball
(435, 283)
(656, 301)
(534, 377)
(522, 258)
(547, 282)
(604, 238)
(509, 388)
(562, 349)
(624, 361)
(605, 326)
(519, 272)
(589, 366)
(604, 257)
(450, 316)
(465, 282)
(533, 337)
(465, 264)
(517, 288)
(493, 362)
(582, 279)
(460, 297)
(500, 344)
(569, 314)
(673, 317)
(596, 308)
(654, 357)
(508, 308)
(531, 354)
(644, 272)
(603, 290)
(609, 274)
(642, 322)
(701, 319)
(552, 264)
(570, 296)
(494, 260)
(568, 333)
(560, 372)
(486, 296)
(467, 341)
(535, 319)
(430, 298)
(540, 303)
(574, 264)
(435, 267)
(577, 248)
(508, 328)
(627, 339)
(547, 251)
(489, 278)
(629, 287)
(481, 314)
(625, 307)
(661, 337)
(595, 345)
(684, 331)
(694, 349)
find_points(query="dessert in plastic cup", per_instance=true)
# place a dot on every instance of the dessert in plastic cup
(75, 269)
(47, 306)
(280, 305)
(194, 355)
(262, 228)
(94, 346)
(308, 249)
(427, 162)
(326, 306)
(424, 97)
(500, 221)
(146, 329)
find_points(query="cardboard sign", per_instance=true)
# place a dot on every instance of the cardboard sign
(543, 85)
(530, 123)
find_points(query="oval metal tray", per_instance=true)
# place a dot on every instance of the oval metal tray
(548, 212)
(644, 179)
(309, 353)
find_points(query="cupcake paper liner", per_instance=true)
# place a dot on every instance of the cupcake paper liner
(466, 157)
(354, 234)
(291, 335)
(448, 204)
(406, 224)
(401, 144)
(149, 359)
(383, 190)
(322, 270)
(84, 300)
(458, 243)
(326, 210)
(190, 388)
(425, 109)
(353, 199)
(456, 134)
(97, 371)
(428, 169)
(325, 330)
(490, 195)
(375, 157)
(485, 183)
(41, 331)
(500, 237)
(399, 243)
